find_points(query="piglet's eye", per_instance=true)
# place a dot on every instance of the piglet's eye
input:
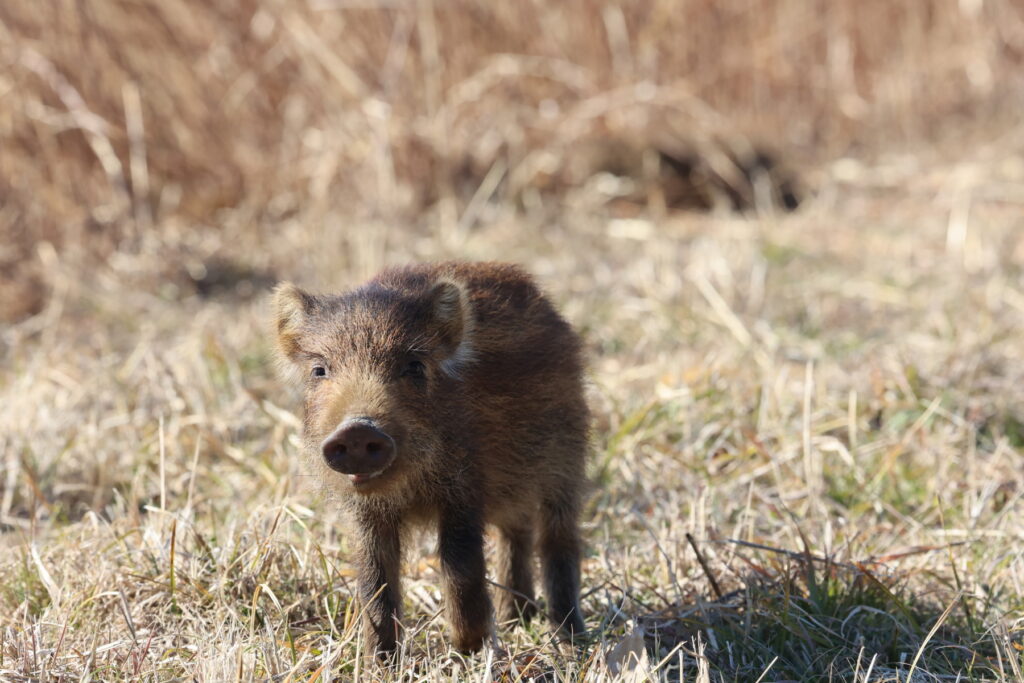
(414, 369)
(319, 371)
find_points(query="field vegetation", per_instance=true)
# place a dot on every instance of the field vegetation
(792, 234)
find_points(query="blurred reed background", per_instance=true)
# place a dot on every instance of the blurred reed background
(184, 127)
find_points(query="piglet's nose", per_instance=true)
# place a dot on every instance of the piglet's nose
(358, 447)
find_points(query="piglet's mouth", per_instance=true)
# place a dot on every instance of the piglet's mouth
(359, 480)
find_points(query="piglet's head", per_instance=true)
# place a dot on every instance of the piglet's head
(376, 366)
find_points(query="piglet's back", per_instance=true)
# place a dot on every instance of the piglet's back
(516, 333)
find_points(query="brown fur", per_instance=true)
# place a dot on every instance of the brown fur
(495, 432)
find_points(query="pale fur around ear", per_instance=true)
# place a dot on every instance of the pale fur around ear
(454, 317)
(291, 308)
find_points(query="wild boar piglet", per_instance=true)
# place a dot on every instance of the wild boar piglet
(448, 395)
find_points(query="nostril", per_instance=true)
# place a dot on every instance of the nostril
(373, 447)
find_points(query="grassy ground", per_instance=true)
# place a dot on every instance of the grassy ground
(827, 403)
(808, 455)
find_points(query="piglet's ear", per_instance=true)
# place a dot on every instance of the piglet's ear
(453, 323)
(292, 307)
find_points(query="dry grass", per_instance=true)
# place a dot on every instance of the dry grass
(829, 402)
(120, 116)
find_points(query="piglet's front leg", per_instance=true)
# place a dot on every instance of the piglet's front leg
(379, 589)
(461, 550)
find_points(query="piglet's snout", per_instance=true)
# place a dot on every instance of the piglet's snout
(357, 447)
